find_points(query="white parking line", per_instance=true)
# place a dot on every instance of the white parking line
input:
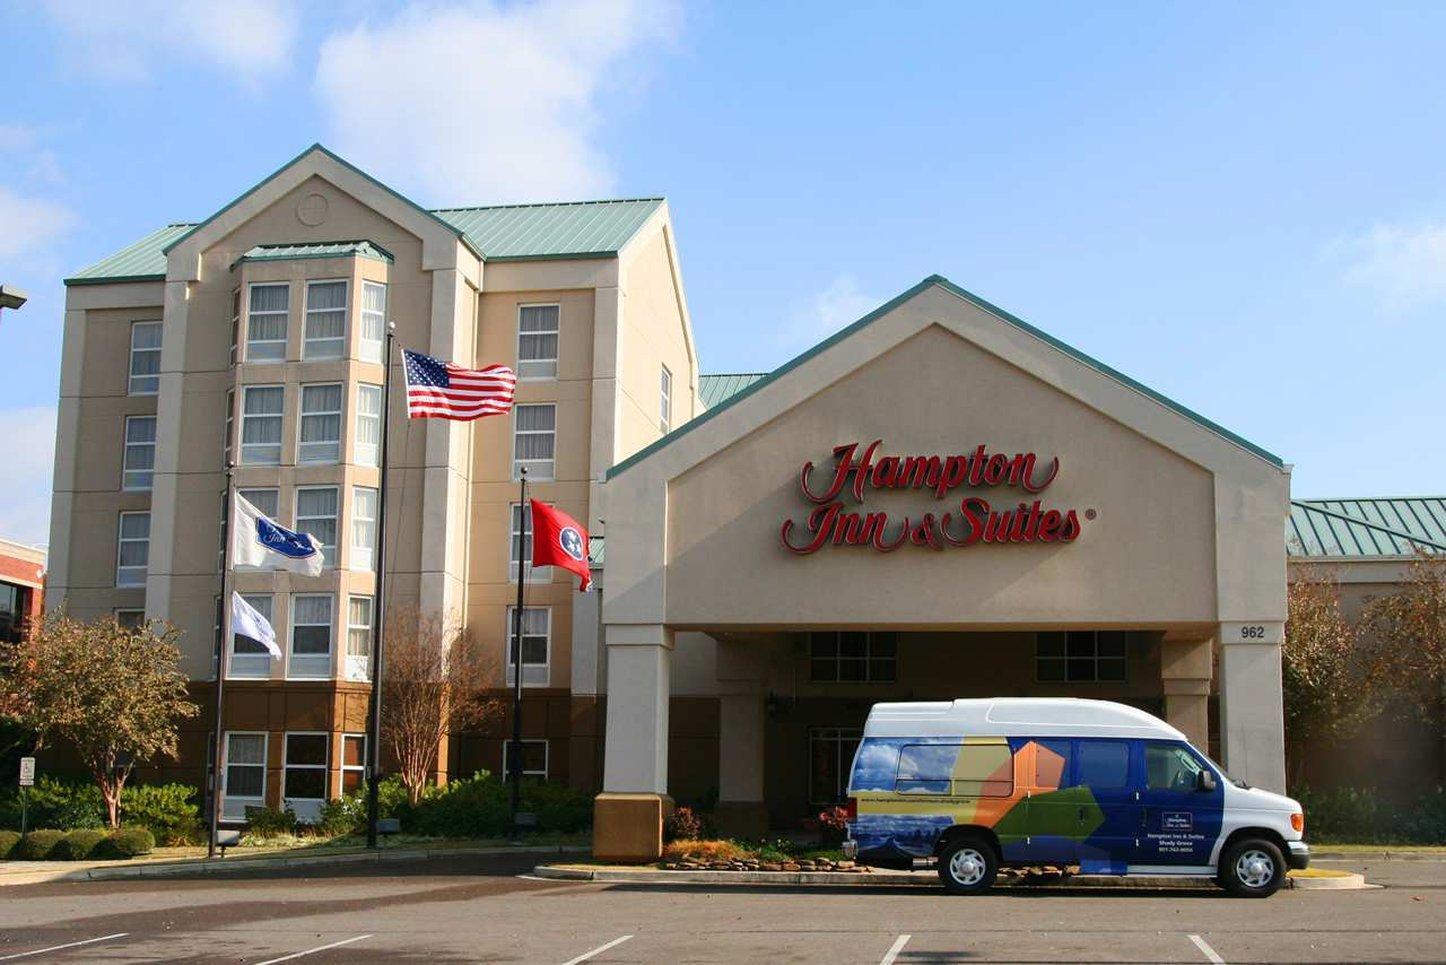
(56, 948)
(313, 951)
(596, 951)
(1210, 953)
(894, 950)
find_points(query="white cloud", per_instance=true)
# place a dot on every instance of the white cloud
(251, 39)
(30, 224)
(1405, 266)
(29, 436)
(481, 101)
(840, 304)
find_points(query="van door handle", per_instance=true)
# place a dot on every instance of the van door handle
(1081, 815)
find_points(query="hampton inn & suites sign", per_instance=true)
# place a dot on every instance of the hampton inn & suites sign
(973, 519)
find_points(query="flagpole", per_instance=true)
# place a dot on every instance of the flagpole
(374, 718)
(515, 765)
(217, 743)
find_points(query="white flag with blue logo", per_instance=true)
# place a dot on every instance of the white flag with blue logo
(247, 621)
(259, 541)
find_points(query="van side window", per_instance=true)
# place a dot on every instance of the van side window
(1169, 767)
(925, 768)
(984, 770)
(1102, 765)
(1051, 763)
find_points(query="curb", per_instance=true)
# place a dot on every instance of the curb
(866, 879)
(1383, 855)
(1345, 881)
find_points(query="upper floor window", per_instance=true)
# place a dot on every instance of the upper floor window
(235, 324)
(228, 438)
(358, 638)
(320, 439)
(536, 634)
(368, 425)
(521, 547)
(140, 455)
(316, 508)
(311, 615)
(261, 408)
(250, 658)
(537, 329)
(534, 440)
(852, 657)
(363, 528)
(266, 322)
(373, 320)
(325, 331)
(665, 402)
(134, 552)
(145, 376)
(1080, 656)
(266, 501)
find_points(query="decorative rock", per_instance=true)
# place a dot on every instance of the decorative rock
(791, 866)
(844, 865)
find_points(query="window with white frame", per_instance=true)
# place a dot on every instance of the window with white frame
(363, 528)
(521, 548)
(261, 409)
(130, 619)
(316, 508)
(1080, 656)
(665, 401)
(249, 657)
(311, 618)
(235, 324)
(145, 374)
(534, 430)
(244, 782)
(325, 331)
(373, 320)
(228, 437)
(853, 656)
(266, 319)
(359, 638)
(320, 436)
(267, 500)
(537, 332)
(303, 778)
(536, 639)
(353, 762)
(138, 468)
(368, 425)
(534, 758)
(134, 553)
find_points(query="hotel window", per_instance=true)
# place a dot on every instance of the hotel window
(310, 636)
(140, 456)
(325, 331)
(358, 638)
(249, 657)
(830, 756)
(665, 413)
(268, 501)
(521, 544)
(1080, 656)
(266, 323)
(235, 324)
(853, 657)
(353, 762)
(303, 784)
(244, 783)
(261, 408)
(320, 439)
(534, 440)
(368, 425)
(316, 514)
(537, 331)
(534, 758)
(134, 551)
(536, 634)
(228, 437)
(363, 528)
(145, 358)
(128, 619)
(373, 320)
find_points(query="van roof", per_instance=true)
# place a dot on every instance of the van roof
(1016, 717)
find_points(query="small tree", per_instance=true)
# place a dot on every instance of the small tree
(433, 684)
(1327, 689)
(1407, 638)
(113, 694)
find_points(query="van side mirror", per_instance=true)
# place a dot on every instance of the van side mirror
(1205, 781)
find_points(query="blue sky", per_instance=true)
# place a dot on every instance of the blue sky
(1243, 207)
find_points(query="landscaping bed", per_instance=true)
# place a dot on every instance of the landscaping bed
(729, 855)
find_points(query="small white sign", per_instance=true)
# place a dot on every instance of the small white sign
(27, 772)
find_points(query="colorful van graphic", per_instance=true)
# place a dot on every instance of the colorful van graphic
(980, 784)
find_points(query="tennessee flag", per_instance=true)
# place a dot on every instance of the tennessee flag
(558, 540)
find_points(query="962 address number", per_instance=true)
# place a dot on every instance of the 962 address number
(1252, 632)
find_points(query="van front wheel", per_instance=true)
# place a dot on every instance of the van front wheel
(967, 866)
(1252, 868)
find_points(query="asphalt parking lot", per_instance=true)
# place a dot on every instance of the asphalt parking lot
(483, 908)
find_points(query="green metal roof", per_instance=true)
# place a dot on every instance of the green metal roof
(1340, 528)
(142, 261)
(329, 249)
(713, 389)
(984, 306)
(529, 232)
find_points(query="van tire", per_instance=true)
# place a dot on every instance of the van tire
(1252, 868)
(967, 866)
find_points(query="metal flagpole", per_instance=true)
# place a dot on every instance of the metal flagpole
(217, 742)
(515, 765)
(374, 718)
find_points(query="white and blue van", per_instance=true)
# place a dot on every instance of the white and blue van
(1008, 782)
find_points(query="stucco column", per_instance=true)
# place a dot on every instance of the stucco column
(1252, 713)
(628, 814)
(1185, 674)
(741, 673)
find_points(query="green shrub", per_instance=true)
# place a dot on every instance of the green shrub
(56, 802)
(558, 807)
(168, 811)
(1348, 814)
(37, 845)
(480, 807)
(126, 843)
(77, 845)
(344, 815)
(1425, 823)
(270, 822)
(8, 841)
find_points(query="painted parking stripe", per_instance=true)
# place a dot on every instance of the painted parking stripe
(1210, 953)
(313, 951)
(596, 951)
(56, 948)
(894, 950)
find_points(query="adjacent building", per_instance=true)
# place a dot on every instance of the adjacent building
(22, 587)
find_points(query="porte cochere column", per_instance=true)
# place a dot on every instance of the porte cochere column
(1252, 711)
(741, 673)
(1185, 674)
(628, 814)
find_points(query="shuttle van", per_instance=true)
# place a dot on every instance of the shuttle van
(1007, 782)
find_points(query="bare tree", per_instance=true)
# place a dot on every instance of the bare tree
(114, 694)
(433, 684)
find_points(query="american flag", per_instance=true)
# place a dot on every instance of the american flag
(441, 390)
